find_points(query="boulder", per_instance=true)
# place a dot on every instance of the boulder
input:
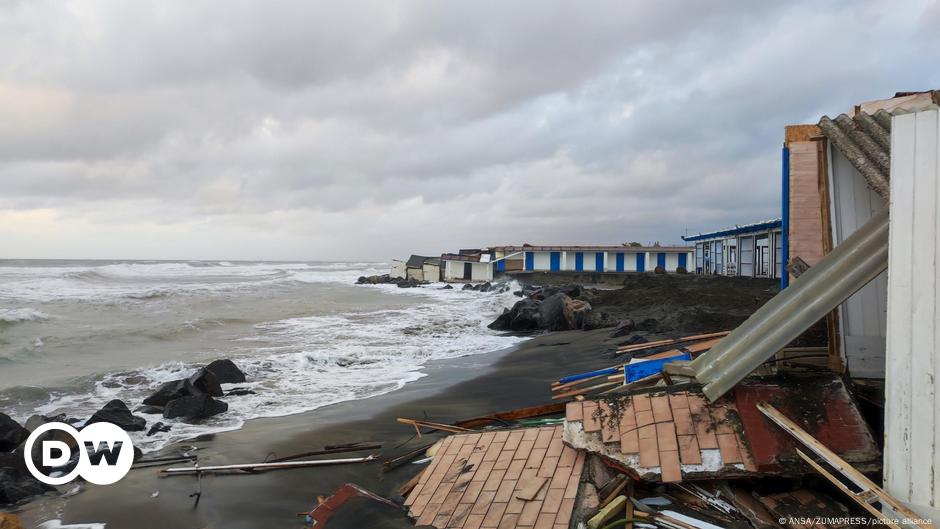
(226, 372)
(238, 392)
(523, 316)
(171, 390)
(598, 319)
(11, 433)
(194, 408)
(116, 412)
(624, 327)
(485, 287)
(561, 313)
(447, 287)
(148, 409)
(681, 270)
(206, 382)
(158, 427)
(35, 421)
(467, 286)
(15, 486)
(659, 270)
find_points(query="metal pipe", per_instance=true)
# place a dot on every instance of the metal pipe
(838, 275)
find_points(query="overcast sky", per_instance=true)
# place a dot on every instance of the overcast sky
(370, 130)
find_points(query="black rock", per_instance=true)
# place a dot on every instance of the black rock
(467, 286)
(171, 390)
(623, 328)
(11, 433)
(148, 409)
(226, 372)
(485, 287)
(116, 412)
(16, 486)
(206, 382)
(447, 287)
(561, 313)
(501, 323)
(194, 408)
(238, 392)
(35, 421)
(157, 428)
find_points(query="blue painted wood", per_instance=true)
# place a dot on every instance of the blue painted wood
(579, 261)
(640, 370)
(501, 265)
(683, 260)
(589, 374)
(661, 259)
(554, 261)
(620, 262)
(599, 262)
(529, 261)
(641, 262)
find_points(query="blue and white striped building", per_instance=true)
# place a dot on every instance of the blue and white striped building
(590, 258)
(750, 250)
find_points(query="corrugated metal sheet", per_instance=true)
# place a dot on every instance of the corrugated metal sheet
(736, 230)
(866, 141)
(912, 425)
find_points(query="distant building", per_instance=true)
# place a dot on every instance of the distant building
(417, 267)
(485, 264)
(749, 250)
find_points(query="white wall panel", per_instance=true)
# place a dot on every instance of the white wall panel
(862, 317)
(912, 429)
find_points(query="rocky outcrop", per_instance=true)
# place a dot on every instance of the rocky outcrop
(116, 412)
(172, 390)
(559, 312)
(16, 483)
(383, 279)
(549, 308)
(11, 433)
(225, 371)
(194, 408)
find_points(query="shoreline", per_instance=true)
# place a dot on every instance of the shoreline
(453, 389)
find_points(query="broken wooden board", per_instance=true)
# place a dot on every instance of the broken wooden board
(475, 480)
(661, 436)
(673, 434)
(819, 403)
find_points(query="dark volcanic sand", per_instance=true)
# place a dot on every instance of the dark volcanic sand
(453, 390)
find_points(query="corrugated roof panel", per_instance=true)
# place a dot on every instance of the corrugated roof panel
(865, 140)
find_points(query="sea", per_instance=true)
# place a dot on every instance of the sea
(77, 334)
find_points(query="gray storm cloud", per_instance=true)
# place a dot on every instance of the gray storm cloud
(367, 130)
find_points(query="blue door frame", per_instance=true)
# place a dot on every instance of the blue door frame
(529, 261)
(599, 262)
(579, 261)
(620, 262)
(683, 260)
(641, 262)
(661, 260)
(554, 261)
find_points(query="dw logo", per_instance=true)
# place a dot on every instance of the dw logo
(105, 453)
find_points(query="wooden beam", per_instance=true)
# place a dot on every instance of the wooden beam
(860, 480)
(432, 425)
(670, 341)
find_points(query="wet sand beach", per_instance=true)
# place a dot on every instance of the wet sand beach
(453, 389)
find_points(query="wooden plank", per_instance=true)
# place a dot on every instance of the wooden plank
(585, 391)
(573, 411)
(728, 446)
(666, 436)
(669, 461)
(661, 410)
(513, 415)
(610, 430)
(689, 453)
(660, 343)
(857, 498)
(649, 450)
(432, 425)
(856, 477)
(591, 424)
